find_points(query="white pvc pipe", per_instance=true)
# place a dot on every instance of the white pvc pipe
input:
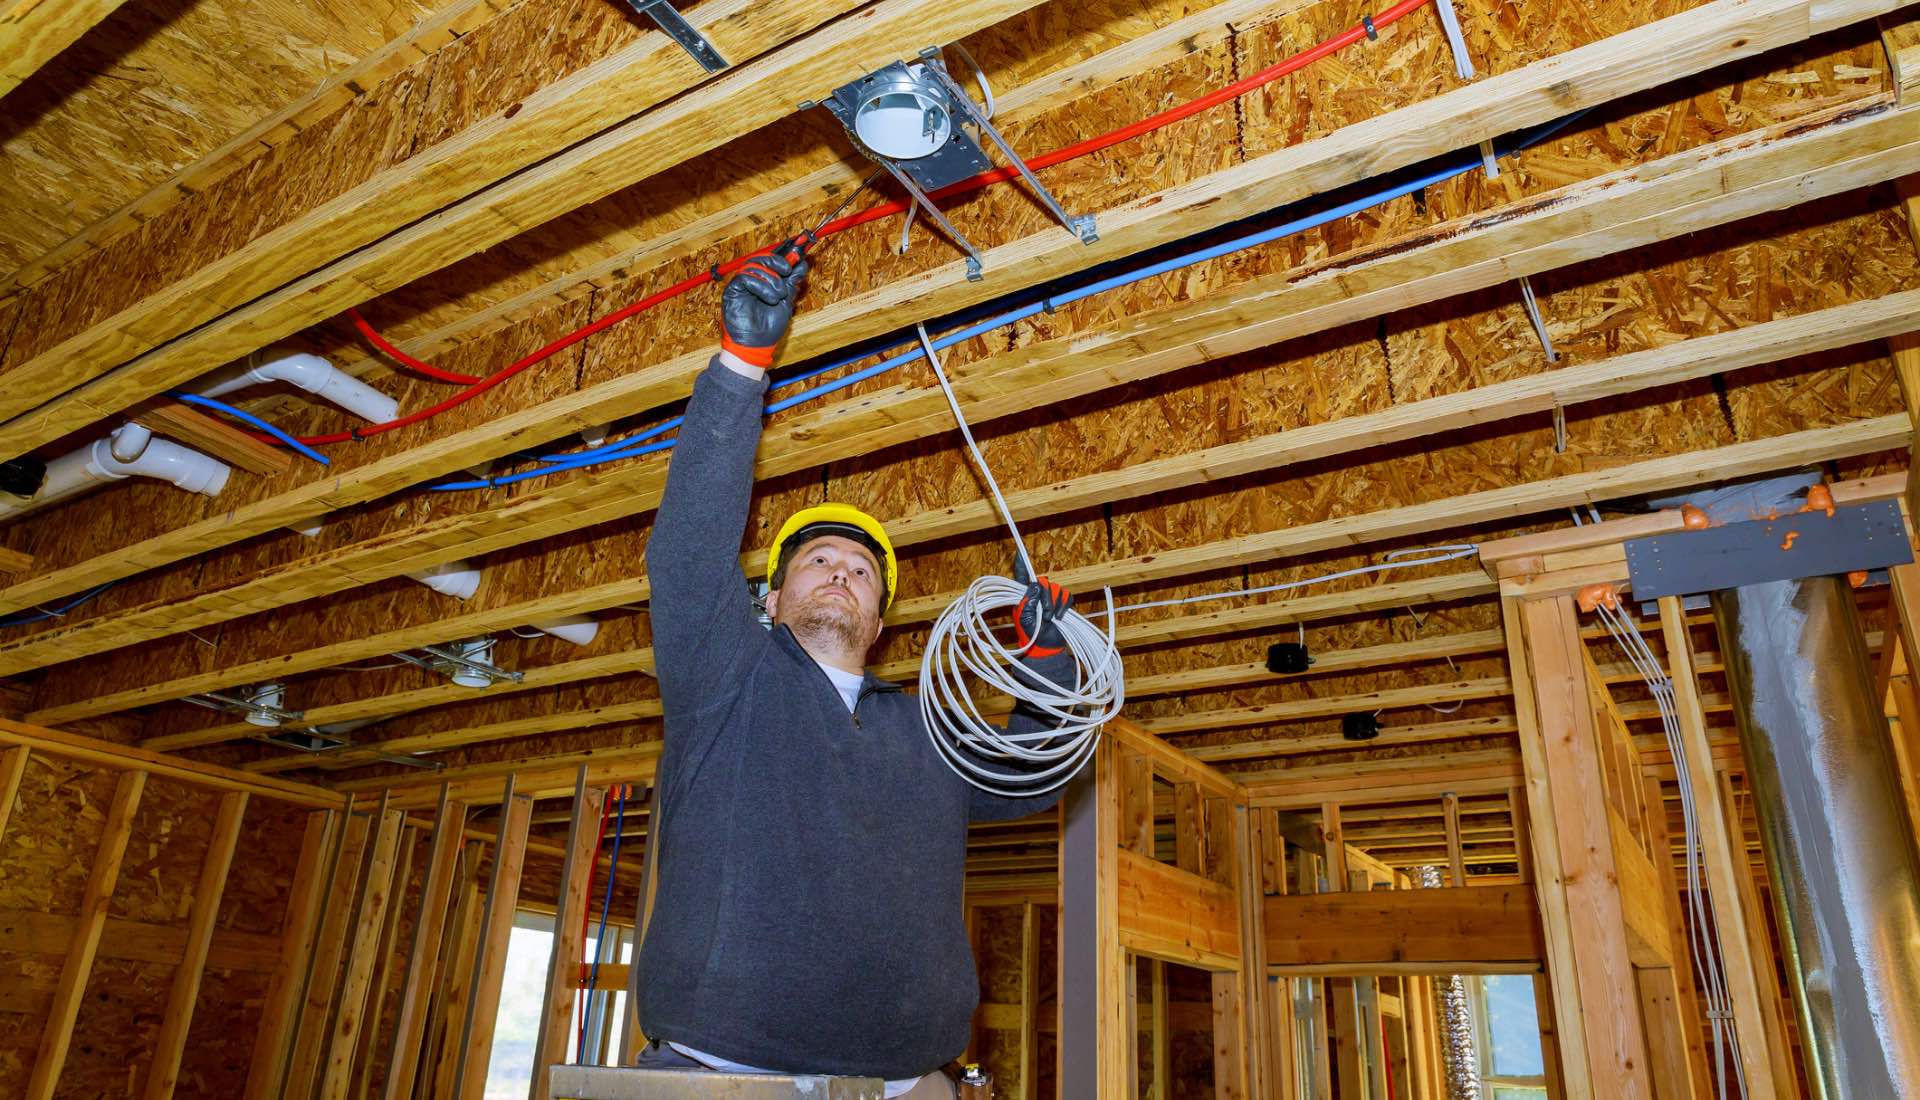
(459, 579)
(578, 629)
(312, 374)
(130, 451)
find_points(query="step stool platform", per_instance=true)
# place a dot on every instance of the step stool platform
(607, 1083)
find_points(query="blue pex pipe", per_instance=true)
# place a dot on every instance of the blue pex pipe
(246, 417)
(41, 615)
(634, 447)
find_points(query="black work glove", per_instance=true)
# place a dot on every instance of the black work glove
(757, 306)
(1037, 615)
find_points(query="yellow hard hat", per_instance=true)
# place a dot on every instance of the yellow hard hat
(837, 519)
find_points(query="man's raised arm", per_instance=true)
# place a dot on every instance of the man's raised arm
(699, 607)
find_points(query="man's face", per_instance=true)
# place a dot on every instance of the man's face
(832, 584)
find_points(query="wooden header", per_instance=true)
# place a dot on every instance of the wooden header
(106, 753)
(1462, 930)
(1174, 763)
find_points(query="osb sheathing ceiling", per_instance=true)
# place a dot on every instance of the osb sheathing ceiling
(507, 301)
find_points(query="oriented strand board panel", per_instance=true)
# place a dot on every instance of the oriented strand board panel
(154, 87)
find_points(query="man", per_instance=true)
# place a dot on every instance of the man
(809, 912)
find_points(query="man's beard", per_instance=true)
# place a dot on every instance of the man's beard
(839, 624)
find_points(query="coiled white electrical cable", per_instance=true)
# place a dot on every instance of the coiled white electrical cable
(962, 654)
(961, 645)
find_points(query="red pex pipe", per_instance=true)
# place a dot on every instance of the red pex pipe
(478, 386)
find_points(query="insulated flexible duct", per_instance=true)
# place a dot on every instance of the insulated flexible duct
(1456, 1021)
(1846, 888)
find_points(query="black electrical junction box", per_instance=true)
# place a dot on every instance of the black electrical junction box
(1360, 726)
(1287, 657)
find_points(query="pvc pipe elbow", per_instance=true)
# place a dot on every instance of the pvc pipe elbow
(331, 384)
(160, 458)
(578, 629)
(459, 579)
(314, 375)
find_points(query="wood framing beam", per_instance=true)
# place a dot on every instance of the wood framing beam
(1887, 312)
(613, 664)
(182, 422)
(298, 929)
(1094, 976)
(1480, 772)
(447, 25)
(315, 998)
(163, 1074)
(1602, 974)
(1664, 50)
(1659, 474)
(370, 911)
(1202, 30)
(1209, 721)
(563, 962)
(1455, 930)
(1451, 729)
(136, 941)
(577, 140)
(76, 747)
(33, 32)
(56, 1038)
(1167, 913)
(1745, 972)
(1165, 44)
(13, 766)
(490, 963)
(349, 756)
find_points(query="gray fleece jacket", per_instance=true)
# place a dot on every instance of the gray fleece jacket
(809, 912)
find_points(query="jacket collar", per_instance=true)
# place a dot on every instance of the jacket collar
(869, 683)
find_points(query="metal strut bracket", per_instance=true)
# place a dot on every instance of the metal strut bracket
(681, 31)
(446, 656)
(213, 700)
(1081, 225)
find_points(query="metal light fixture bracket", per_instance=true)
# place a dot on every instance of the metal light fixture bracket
(946, 109)
(213, 700)
(461, 658)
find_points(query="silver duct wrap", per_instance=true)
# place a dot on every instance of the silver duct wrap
(1842, 865)
(1456, 1020)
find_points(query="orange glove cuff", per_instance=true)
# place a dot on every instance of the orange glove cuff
(759, 357)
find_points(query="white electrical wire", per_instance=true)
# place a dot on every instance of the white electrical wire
(962, 651)
(1395, 559)
(962, 645)
(1706, 958)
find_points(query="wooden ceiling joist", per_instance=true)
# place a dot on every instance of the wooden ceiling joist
(1284, 612)
(1000, 385)
(1452, 729)
(1046, 93)
(626, 662)
(1714, 34)
(1294, 710)
(447, 731)
(777, 205)
(1726, 465)
(605, 127)
(418, 41)
(89, 699)
(1490, 505)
